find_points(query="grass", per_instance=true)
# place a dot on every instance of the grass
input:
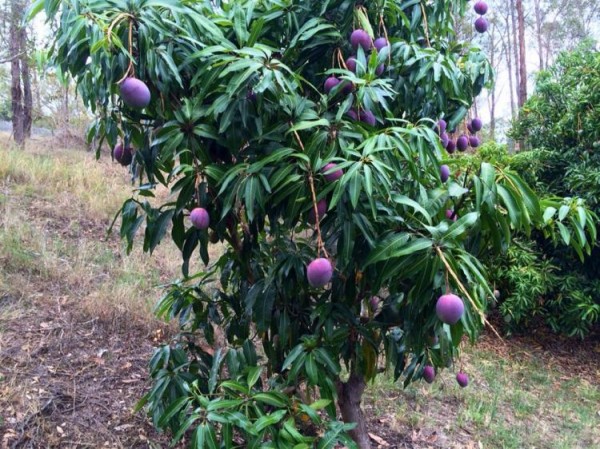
(510, 403)
(55, 208)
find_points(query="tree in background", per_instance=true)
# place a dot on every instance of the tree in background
(560, 124)
(21, 96)
(305, 136)
(18, 57)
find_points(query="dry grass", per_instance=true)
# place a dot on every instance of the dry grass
(76, 321)
(74, 181)
(55, 209)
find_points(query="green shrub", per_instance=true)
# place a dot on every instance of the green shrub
(524, 279)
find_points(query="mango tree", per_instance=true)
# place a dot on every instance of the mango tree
(305, 138)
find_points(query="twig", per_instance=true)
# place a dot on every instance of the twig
(28, 420)
(426, 25)
(12, 58)
(130, 68)
(311, 183)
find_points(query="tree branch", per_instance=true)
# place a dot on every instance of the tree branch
(12, 58)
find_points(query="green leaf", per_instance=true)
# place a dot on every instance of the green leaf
(268, 420)
(564, 233)
(175, 407)
(292, 356)
(310, 367)
(460, 227)
(397, 245)
(253, 375)
(402, 199)
(275, 399)
(549, 213)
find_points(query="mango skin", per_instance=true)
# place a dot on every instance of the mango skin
(429, 374)
(449, 308)
(123, 155)
(462, 379)
(362, 38)
(200, 218)
(135, 93)
(319, 272)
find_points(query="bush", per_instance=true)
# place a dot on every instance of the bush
(542, 279)
(560, 123)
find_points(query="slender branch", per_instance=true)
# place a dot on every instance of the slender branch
(311, 183)
(12, 58)
(465, 291)
(426, 25)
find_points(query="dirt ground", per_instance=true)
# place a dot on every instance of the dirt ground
(70, 381)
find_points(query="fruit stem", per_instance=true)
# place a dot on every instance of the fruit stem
(340, 58)
(447, 283)
(311, 183)
(130, 68)
(385, 34)
(426, 25)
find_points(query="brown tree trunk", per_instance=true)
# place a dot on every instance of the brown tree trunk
(15, 74)
(349, 398)
(522, 97)
(26, 81)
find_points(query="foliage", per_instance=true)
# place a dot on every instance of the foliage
(539, 278)
(238, 125)
(532, 287)
(560, 123)
(561, 118)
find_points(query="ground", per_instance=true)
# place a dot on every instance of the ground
(76, 332)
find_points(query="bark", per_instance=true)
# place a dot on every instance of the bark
(493, 93)
(26, 82)
(522, 97)
(349, 398)
(15, 75)
(36, 90)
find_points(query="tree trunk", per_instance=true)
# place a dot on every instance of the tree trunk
(15, 74)
(26, 81)
(538, 31)
(515, 45)
(522, 58)
(493, 92)
(507, 49)
(349, 398)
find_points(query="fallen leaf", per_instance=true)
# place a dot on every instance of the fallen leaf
(378, 440)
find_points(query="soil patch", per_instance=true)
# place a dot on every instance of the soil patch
(71, 381)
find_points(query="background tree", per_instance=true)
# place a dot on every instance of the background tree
(559, 122)
(21, 94)
(522, 79)
(240, 109)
